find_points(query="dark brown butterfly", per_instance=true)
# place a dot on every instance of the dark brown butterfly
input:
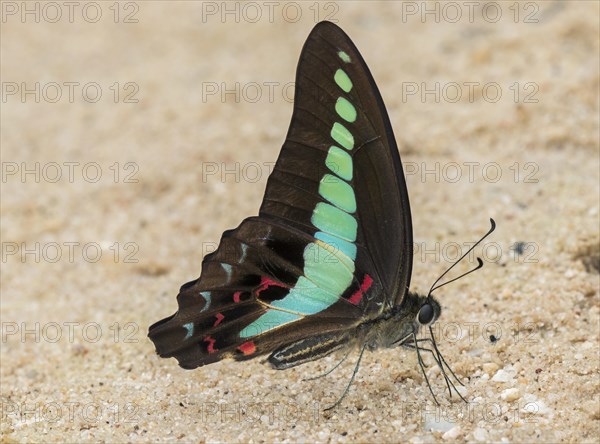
(326, 264)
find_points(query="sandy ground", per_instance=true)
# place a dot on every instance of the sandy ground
(110, 202)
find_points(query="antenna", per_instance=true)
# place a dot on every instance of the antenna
(479, 261)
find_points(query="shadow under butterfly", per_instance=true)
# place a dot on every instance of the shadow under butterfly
(326, 265)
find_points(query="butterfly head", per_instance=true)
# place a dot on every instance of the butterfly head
(424, 312)
(404, 322)
(429, 311)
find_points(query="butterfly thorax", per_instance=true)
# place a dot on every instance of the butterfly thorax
(398, 324)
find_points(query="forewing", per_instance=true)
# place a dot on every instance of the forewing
(340, 132)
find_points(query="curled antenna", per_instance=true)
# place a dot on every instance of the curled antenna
(479, 261)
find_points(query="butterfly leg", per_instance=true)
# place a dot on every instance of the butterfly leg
(422, 365)
(441, 358)
(404, 343)
(439, 363)
(436, 357)
(330, 370)
(362, 350)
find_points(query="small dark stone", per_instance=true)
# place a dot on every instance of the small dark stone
(519, 248)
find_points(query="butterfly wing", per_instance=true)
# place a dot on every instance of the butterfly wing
(251, 289)
(332, 245)
(340, 130)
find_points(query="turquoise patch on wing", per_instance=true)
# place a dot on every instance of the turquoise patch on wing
(190, 330)
(244, 252)
(341, 135)
(342, 80)
(207, 298)
(344, 56)
(228, 268)
(347, 248)
(340, 162)
(345, 110)
(306, 298)
(270, 320)
(338, 192)
(331, 272)
(334, 221)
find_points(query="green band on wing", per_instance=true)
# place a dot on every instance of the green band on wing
(306, 298)
(330, 271)
(341, 135)
(345, 110)
(342, 80)
(340, 162)
(334, 221)
(338, 192)
(327, 274)
(340, 245)
(270, 320)
(344, 56)
(329, 261)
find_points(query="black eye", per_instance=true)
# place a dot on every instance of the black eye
(425, 314)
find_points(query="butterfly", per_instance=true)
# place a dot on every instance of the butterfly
(326, 265)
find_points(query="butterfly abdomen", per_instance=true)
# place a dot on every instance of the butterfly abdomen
(309, 349)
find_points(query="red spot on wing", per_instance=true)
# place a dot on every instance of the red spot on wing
(247, 348)
(211, 344)
(358, 294)
(236, 296)
(266, 282)
(219, 317)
